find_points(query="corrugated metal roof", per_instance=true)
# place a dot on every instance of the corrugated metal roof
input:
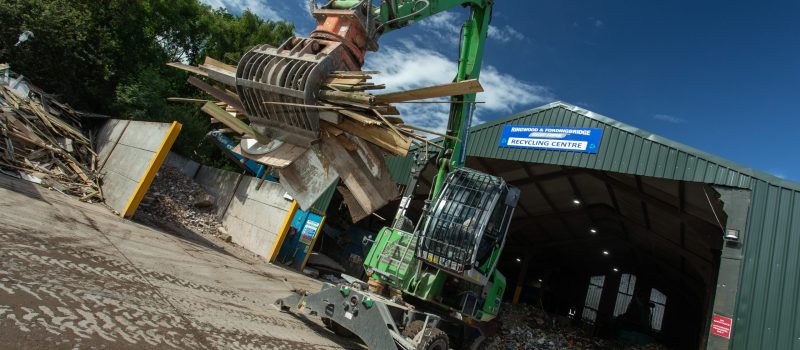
(768, 310)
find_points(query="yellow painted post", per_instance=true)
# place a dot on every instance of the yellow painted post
(313, 241)
(523, 272)
(517, 294)
(287, 223)
(152, 169)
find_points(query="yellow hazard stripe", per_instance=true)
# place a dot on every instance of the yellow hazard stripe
(287, 223)
(152, 169)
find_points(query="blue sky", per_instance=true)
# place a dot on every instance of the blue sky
(721, 76)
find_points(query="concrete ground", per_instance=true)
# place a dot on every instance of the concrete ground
(75, 276)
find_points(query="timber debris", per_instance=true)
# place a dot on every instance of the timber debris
(41, 141)
(357, 128)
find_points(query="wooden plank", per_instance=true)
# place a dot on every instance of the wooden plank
(382, 137)
(356, 211)
(80, 172)
(349, 76)
(218, 64)
(218, 94)
(307, 178)
(220, 75)
(226, 118)
(390, 110)
(356, 97)
(280, 158)
(356, 72)
(363, 119)
(328, 107)
(188, 68)
(186, 100)
(429, 131)
(444, 90)
(395, 120)
(344, 81)
(387, 123)
(366, 177)
(331, 129)
(330, 117)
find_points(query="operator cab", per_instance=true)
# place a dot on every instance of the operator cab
(464, 231)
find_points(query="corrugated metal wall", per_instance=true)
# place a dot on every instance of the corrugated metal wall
(768, 311)
(321, 205)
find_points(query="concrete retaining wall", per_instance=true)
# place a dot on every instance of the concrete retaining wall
(219, 183)
(126, 149)
(255, 216)
(251, 216)
(186, 165)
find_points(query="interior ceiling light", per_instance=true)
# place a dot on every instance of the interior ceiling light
(592, 230)
(519, 260)
(576, 201)
(616, 269)
(605, 252)
(540, 280)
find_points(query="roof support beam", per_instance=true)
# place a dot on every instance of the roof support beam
(694, 221)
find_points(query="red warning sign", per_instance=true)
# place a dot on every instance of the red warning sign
(722, 326)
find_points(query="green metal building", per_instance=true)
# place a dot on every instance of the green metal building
(709, 241)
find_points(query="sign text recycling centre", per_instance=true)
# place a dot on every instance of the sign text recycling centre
(556, 138)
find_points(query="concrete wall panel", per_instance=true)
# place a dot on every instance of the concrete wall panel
(108, 137)
(254, 217)
(186, 165)
(117, 190)
(219, 183)
(144, 135)
(128, 148)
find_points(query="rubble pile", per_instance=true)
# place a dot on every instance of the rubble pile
(41, 141)
(176, 202)
(524, 327)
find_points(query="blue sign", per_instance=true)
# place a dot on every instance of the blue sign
(555, 138)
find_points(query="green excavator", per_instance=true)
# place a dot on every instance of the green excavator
(433, 283)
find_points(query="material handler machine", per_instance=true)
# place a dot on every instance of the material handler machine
(433, 283)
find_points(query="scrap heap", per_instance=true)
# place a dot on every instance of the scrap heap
(41, 141)
(176, 203)
(524, 327)
(311, 138)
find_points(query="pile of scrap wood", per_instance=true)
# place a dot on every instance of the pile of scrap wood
(356, 130)
(41, 141)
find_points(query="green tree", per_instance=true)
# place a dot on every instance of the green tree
(230, 36)
(109, 56)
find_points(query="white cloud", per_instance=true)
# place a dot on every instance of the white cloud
(778, 173)
(445, 26)
(410, 66)
(669, 119)
(258, 7)
(505, 34)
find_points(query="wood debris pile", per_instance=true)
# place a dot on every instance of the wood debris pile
(41, 141)
(356, 130)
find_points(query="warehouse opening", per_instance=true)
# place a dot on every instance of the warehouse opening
(623, 257)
